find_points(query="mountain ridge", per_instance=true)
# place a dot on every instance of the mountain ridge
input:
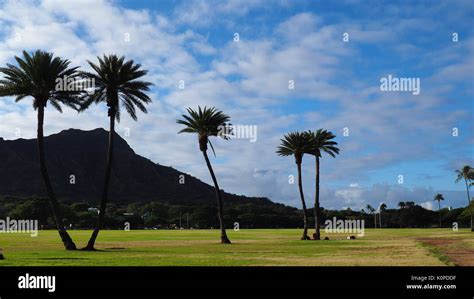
(78, 156)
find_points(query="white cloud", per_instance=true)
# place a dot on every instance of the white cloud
(427, 205)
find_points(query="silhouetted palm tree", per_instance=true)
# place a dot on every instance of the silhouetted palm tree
(36, 76)
(467, 174)
(321, 142)
(439, 198)
(205, 123)
(116, 82)
(297, 144)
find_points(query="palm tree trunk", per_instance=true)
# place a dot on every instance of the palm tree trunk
(469, 202)
(305, 218)
(317, 212)
(105, 191)
(375, 219)
(439, 210)
(65, 238)
(220, 204)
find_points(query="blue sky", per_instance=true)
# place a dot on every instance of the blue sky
(337, 86)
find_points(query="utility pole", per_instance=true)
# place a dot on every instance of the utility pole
(187, 220)
(179, 218)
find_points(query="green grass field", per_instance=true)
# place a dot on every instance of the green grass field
(259, 247)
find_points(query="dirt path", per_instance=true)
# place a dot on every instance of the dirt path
(453, 249)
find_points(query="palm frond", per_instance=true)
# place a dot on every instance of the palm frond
(117, 85)
(36, 76)
(205, 121)
(466, 173)
(294, 143)
(321, 141)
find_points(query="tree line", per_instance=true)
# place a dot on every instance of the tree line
(160, 215)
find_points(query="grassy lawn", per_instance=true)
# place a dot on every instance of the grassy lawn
(259, 247)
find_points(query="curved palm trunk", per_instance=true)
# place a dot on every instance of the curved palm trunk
(220, 204)
(469, 202)
(439, 210)
(65, 238)
(305, 218)
(317, 211)
(105, 191)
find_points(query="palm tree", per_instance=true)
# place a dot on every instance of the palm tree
(321, 142)
(467, 174)
(36, 76)
(382, 208)
(296, 144)
(116, 82)
(205, 123)
(372, 211)
(439, 198)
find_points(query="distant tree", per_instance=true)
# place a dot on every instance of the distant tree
(36, 208)
(372, 211)
(297, 144)
(402, 205)
(439, 197)
(382, 208)
(321, 142)
(467, 174)
(205, 123)
(117, 83)
(80, 207)
(36, 76)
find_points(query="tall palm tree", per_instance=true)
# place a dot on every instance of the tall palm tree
(117, 83)
(205, 123)
(321, 142)
(36, 76)
(297, 144)
(439, 198)
(467, 174)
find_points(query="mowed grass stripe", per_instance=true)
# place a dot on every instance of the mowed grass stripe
(259, 247)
